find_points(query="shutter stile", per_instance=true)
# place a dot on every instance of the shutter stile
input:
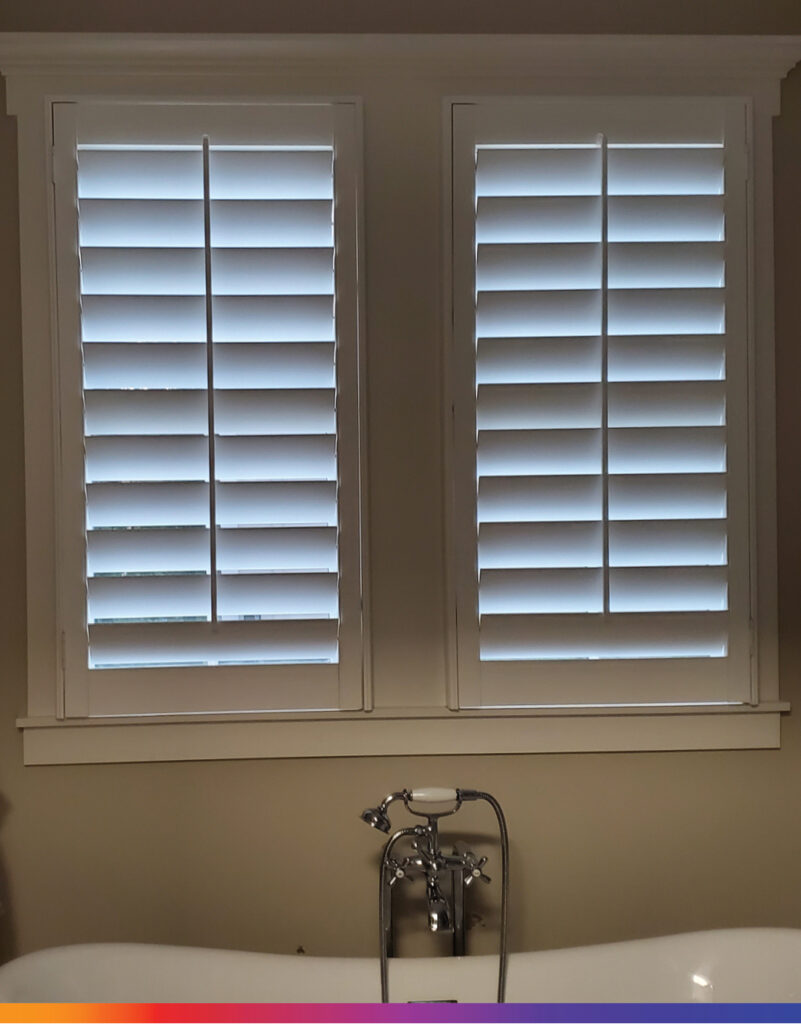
(601, 394)
(150, 556)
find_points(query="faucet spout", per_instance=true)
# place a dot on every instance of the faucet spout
(439, 919)
(439, 913)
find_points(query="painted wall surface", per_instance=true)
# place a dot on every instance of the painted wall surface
(270, 855)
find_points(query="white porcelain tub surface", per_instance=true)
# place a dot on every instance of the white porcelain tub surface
(735, 965)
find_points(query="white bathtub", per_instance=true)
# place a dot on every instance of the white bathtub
(735, 965)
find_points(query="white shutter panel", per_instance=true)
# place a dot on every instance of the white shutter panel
(275, 380)
(209, 341)
(145, 417)
(601, 474)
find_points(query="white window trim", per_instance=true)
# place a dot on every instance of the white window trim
(42, 67)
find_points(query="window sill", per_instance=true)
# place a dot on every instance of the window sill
(394, 732)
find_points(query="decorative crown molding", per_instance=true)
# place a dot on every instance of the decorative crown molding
(535, 56)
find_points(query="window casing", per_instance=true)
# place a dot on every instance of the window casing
(416, 691)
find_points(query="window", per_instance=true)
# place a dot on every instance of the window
(208, 382)
(602, 410)
(519, 326)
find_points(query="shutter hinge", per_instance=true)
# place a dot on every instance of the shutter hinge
(57, 158)
(753, 698)
(62, 678)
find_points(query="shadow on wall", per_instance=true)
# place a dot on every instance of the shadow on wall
(8, 942)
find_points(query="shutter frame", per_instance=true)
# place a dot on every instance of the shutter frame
(193, 688)
(499, 123)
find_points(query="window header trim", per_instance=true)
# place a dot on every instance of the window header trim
(537, 57)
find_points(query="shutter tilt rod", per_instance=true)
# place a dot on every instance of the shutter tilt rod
(210, 382)
(602, 142)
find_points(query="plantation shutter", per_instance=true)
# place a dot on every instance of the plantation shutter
(601, 403)
(218, 354)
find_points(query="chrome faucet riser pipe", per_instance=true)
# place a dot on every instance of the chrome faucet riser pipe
(504, 937)
(385, 905)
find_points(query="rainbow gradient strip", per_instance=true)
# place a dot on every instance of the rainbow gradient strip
(356, 1013)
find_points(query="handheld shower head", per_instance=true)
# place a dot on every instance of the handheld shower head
(376, 817)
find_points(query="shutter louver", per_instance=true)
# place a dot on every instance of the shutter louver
(207, 296)
(600, 412)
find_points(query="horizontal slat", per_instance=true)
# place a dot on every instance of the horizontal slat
(686, 357)
(122, 364)
(539, 498)
(157, 223)
(538, 172)
(275, 365)
(546, 219)
(297, 595)
(666, 219)
(538, 360)
(277, 549)
(160, 504)
(148, 597)
(276, 458)
(678, 588)
(139, 271)
(532, 314)
(146, 458)
(533, 267)
(273, 411)
(671, 496)
(558, 637)
(272, 271)
(667, 404)
(133, 551)
(261, 121)
(187, 643)
(140, 174)
(277, 504)
(520, 591)
(677, 542)
(593, 683)
(539, 452)
(271, 174)
(273, 318)
(667, 450)
(143, 318)
(667, 265)
(145, 412)
(539, 545)
(665, 171)
(526, 406)
(645, 311)
(267, 223)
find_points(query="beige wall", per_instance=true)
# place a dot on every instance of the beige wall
(719, 16)
(270, 855)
